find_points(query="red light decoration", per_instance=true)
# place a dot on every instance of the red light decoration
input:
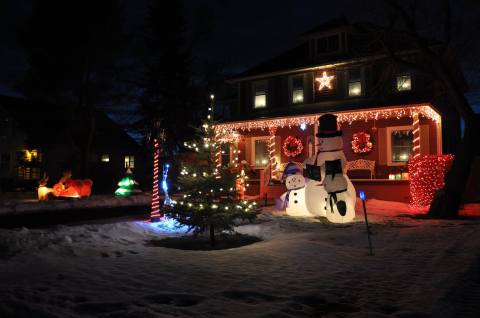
(155, 213)
(427, 175)
(361, 143)
(292, 147)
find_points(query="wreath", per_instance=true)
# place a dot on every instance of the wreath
(292, 146)
(361, 143)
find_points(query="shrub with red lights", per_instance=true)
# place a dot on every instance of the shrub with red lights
(427, 175)
(361, 143)
(292, 147)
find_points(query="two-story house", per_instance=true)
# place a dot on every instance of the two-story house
(387, 112)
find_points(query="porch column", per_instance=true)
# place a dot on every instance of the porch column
(271, 151)
(416, 135)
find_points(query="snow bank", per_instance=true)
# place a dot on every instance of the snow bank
(11, 207)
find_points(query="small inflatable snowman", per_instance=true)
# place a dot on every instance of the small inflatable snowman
(329, 192)
(294, 199)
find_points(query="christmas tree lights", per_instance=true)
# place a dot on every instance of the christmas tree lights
(210, 200)
(126, 186)
(427, 175)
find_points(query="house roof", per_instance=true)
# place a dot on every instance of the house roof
(48, 125)
(365, 41)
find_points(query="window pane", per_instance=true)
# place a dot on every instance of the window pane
(261, 153)
(297, 96)
(333, 43)
(354, 75)
(404, 83)
(105, 158)
(322, 45)
(297, 82)
(354, 89)
(260, 101)
(402, 145)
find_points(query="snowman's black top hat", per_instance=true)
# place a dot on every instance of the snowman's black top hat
(328, 126)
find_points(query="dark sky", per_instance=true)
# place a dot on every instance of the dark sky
(243, 32)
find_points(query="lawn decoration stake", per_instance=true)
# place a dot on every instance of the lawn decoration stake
(363, 197)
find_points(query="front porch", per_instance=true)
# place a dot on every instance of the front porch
(378, 142)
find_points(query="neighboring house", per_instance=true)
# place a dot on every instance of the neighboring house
(36, 138)
(338, 68)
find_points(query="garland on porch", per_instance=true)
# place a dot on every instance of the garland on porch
(361, 143)
(292, 147)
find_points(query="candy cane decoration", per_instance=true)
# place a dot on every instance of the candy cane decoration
(271, 151)
(416, 135)
(155, 213)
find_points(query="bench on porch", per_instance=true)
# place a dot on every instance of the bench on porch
(362, 164)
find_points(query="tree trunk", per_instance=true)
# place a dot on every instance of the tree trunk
(212, 235)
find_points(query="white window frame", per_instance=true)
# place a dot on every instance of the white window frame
(254, 93)
(252, 155)
(389, 144)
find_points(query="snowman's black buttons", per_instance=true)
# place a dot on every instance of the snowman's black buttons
(295, 201)
(294, 193)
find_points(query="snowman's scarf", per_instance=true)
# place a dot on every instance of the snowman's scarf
(287, 196)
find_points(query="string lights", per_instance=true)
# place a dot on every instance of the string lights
(155, 213)
(271, 151)
(325, 81)
(227, 130)
(427, 175)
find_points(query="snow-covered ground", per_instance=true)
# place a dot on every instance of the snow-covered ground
(303, 267)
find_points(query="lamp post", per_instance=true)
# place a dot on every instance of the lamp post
(363, 197)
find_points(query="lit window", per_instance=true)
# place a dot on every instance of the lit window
(404, 83)
(32, 155)
(297, 89)
(297, 96)
(129, 161)
(354, 89)
(402, 145)
(105, 158)
(261, 153)
(260, 97)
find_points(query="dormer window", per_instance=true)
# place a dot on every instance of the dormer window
(328, 44)
(296, 83)
(260, 94)
(404, 83)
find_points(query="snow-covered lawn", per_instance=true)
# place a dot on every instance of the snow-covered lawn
(304, 267)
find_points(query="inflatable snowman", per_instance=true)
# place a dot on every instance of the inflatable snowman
(294, 199)
(328, 191)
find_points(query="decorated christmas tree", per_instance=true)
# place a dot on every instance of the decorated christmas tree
(209, 200)
(127, 186)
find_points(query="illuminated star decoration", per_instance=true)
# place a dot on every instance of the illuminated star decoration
(325, 81)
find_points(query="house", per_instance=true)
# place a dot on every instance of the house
(37, 138)
(388, 112)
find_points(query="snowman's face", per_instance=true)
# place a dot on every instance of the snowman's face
(295, 181)
(332, 143)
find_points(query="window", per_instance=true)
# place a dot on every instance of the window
(129, 161)
(260, 151)
(328, 44)
(225, 154)
(400, 144)
(404, 83)
(354, 82)
(28, 173)
(297, 89)
(105, 158)
(260, 94)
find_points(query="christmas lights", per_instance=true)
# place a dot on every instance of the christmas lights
(325, 81)
(271, 151)
(225, 129)
(155, 213)
(427, 175)
(361, 143)
(292, 147)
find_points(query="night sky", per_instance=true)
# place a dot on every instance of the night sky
(242, 33)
